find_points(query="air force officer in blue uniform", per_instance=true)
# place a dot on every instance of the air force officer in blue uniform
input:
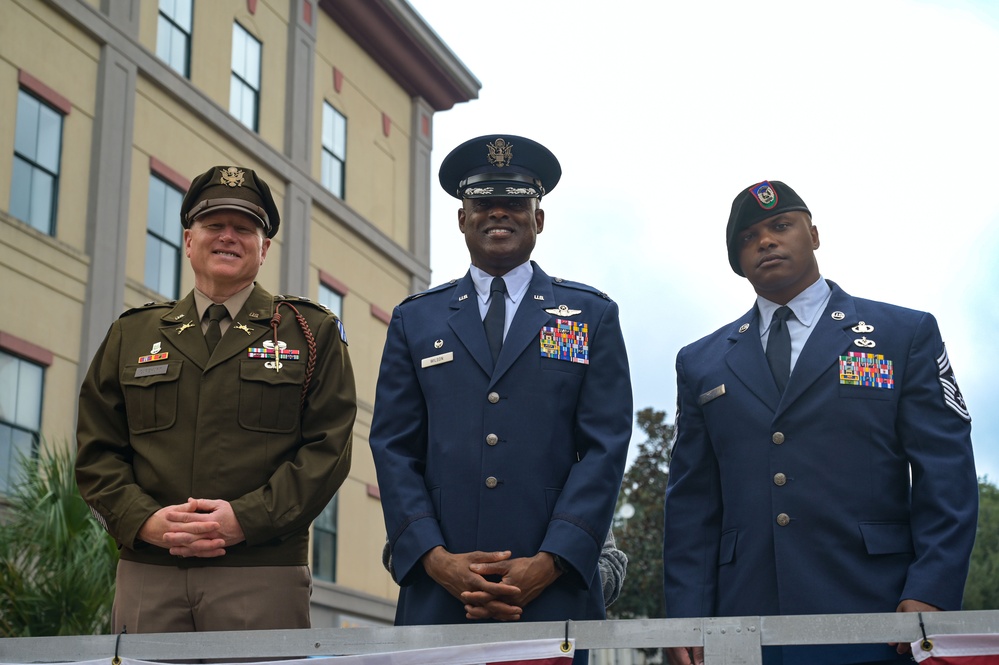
(822, 461)
(502, 415)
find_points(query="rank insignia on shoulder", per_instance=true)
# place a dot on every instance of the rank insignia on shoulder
(951, 393)
(566, 340)
(563, 310)
(866, 369)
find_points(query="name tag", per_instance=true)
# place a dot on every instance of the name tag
(151, 370)
(437, 360)
(710, 395)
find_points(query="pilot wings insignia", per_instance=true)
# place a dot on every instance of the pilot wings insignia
(563, 310)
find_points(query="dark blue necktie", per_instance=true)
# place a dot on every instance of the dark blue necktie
(779, 347)
(496, 316)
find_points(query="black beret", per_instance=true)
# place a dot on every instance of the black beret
(499, 165)
(231, 188)
(754, 204)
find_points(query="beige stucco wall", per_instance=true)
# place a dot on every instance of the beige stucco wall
(52, 272)
(43, 278)
(377, 182)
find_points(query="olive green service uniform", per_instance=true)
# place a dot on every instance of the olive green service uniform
(161, 420)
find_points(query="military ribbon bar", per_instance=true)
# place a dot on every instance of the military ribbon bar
(566, 340)
(866, 369)
(260, 352)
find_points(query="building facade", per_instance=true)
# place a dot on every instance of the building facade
(111, 107)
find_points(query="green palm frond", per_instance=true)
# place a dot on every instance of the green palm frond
(57, 565)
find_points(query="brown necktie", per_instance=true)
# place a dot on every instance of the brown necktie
(214, 333)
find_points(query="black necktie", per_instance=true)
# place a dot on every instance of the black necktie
(779, 347)
(496, 316)
(214, 333)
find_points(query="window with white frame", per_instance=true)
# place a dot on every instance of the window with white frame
(37, 147)
(20, 415)
(331, 299)
(325, 527)
(334, 157)
(244, 87)
(173, 35)
(324, 543)
(164, 236)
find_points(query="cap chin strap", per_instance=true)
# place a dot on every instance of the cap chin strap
(494, 176)
(242, 204)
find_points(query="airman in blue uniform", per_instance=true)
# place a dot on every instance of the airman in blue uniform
(499, 473)
(823, 460)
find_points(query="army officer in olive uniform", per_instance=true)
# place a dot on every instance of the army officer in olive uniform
(502, 414)
(213, 430)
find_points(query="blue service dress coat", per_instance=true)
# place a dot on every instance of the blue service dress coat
(802, 503)
(525, 456)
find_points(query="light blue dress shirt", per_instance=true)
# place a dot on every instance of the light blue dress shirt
(807, 306)
(517, 281)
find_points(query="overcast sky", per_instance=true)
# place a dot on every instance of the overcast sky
(883, 116)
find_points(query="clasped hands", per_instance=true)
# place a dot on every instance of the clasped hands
(464, 576)
(199, 528)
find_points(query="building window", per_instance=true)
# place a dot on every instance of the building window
(331, 299)
(163, 238)
(334, 149)
(20, 415)
(244, 88)
(324, 543)
(173, 35)
(37, 146)
(324, 528)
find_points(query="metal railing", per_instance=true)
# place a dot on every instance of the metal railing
(726, 640)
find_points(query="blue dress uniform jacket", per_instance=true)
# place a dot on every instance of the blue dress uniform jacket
(527, 456)
(802, 504)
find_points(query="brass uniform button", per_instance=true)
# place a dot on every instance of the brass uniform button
(783, 519)
(778, 438)
(493, 398)
(780, 479)
(491, 482)
(492, 439)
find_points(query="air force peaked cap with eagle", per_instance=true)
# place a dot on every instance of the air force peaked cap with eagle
(499, 165)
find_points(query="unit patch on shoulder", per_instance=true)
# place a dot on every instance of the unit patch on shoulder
(951, 393)
(566, 340)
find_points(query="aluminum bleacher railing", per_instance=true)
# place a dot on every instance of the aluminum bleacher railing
(726, 640)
